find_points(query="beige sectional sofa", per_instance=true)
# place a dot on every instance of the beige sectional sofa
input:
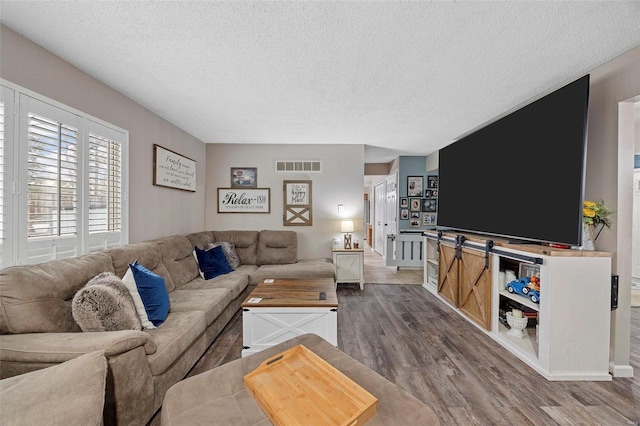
(38, 329)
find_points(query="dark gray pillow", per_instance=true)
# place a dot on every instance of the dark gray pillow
(105, 304)
(229, 250)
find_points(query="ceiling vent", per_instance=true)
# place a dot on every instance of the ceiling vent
(299, 166)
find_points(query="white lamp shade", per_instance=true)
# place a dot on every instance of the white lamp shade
(346, 226)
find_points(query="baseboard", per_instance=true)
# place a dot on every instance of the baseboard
(620, 370)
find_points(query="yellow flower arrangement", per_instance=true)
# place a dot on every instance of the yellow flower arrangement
(596, 214)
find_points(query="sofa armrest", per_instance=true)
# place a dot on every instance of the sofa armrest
(61, 347)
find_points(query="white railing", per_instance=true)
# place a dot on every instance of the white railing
(405, 250)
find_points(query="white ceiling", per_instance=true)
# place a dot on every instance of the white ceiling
(399, 77)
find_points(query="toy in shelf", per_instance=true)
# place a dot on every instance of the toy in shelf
(526, 287)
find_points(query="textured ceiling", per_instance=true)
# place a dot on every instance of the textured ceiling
(399, 77)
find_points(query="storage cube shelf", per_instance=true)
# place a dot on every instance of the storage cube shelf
(571, 340)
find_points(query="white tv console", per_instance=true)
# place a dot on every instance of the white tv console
(573, 319)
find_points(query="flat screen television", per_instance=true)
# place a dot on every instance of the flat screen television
(521, 176)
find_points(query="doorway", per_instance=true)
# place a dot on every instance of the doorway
(379, 195)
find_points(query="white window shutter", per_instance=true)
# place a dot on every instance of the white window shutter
(50, 186)
(105, 192)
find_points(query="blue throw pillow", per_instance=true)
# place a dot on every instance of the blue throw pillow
(152, 292)
(212, 262)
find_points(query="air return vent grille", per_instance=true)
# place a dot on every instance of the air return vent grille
(308, 166)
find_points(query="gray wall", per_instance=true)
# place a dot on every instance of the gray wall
(339, 183)
(612, 83)
(153, 211)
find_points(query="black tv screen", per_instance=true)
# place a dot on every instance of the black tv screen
(522, 176)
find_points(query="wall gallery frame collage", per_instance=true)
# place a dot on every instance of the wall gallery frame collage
(420, 205)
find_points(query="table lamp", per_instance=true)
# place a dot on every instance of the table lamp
(347, 227)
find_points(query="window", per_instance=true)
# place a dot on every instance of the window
(2, 190)
(52, 166)
(62, 184)
(105, 186)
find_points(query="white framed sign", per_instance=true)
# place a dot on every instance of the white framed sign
(232, 200)
(173, 170)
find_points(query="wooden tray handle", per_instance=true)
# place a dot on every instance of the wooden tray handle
(279, 358)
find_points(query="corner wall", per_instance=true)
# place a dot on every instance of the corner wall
(614, 82)
(340, 182)
(154, 211)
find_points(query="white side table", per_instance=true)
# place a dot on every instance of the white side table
(349, 266)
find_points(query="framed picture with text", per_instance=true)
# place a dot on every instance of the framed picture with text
(173, 170)
(232, 200)
(297, 203)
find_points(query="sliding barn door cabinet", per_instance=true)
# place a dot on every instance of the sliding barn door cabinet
(567, 320)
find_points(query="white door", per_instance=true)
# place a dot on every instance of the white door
(378, 218)
(635, 245)
(391, 208)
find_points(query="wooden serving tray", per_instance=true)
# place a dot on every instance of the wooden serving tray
(297, 387)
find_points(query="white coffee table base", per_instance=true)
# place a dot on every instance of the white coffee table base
(266, 327)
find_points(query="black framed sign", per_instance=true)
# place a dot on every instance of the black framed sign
(232, 200)
(173, 170)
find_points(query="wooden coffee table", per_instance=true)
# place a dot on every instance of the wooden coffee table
(285, 308)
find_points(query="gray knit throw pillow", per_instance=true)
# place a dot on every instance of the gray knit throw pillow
(105, 304)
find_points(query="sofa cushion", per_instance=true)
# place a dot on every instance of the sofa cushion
(212, 262)
(105, 304)
(210, 301)
(235, 282)
(147, 254)
(38, 349)
(201, 239)
(37, 298)
(246, 243)
(177, 257)
(130, 283)
(305, 268)
(175, 336)
(229, 250)
(71, 393)
(152, 292)
(277, 247)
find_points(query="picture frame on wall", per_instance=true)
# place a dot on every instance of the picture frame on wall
(428, 193)
(432, 182)
(404, 214)
(414, 204)
(415, 215)
(429, 205)
(404, 203)
(415, 223)
(428, 219)
(244, 200)
(414, 186)
(173, 170)
(297, 203)
(244, 177)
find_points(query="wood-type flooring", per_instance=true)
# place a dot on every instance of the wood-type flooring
(413, 339)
